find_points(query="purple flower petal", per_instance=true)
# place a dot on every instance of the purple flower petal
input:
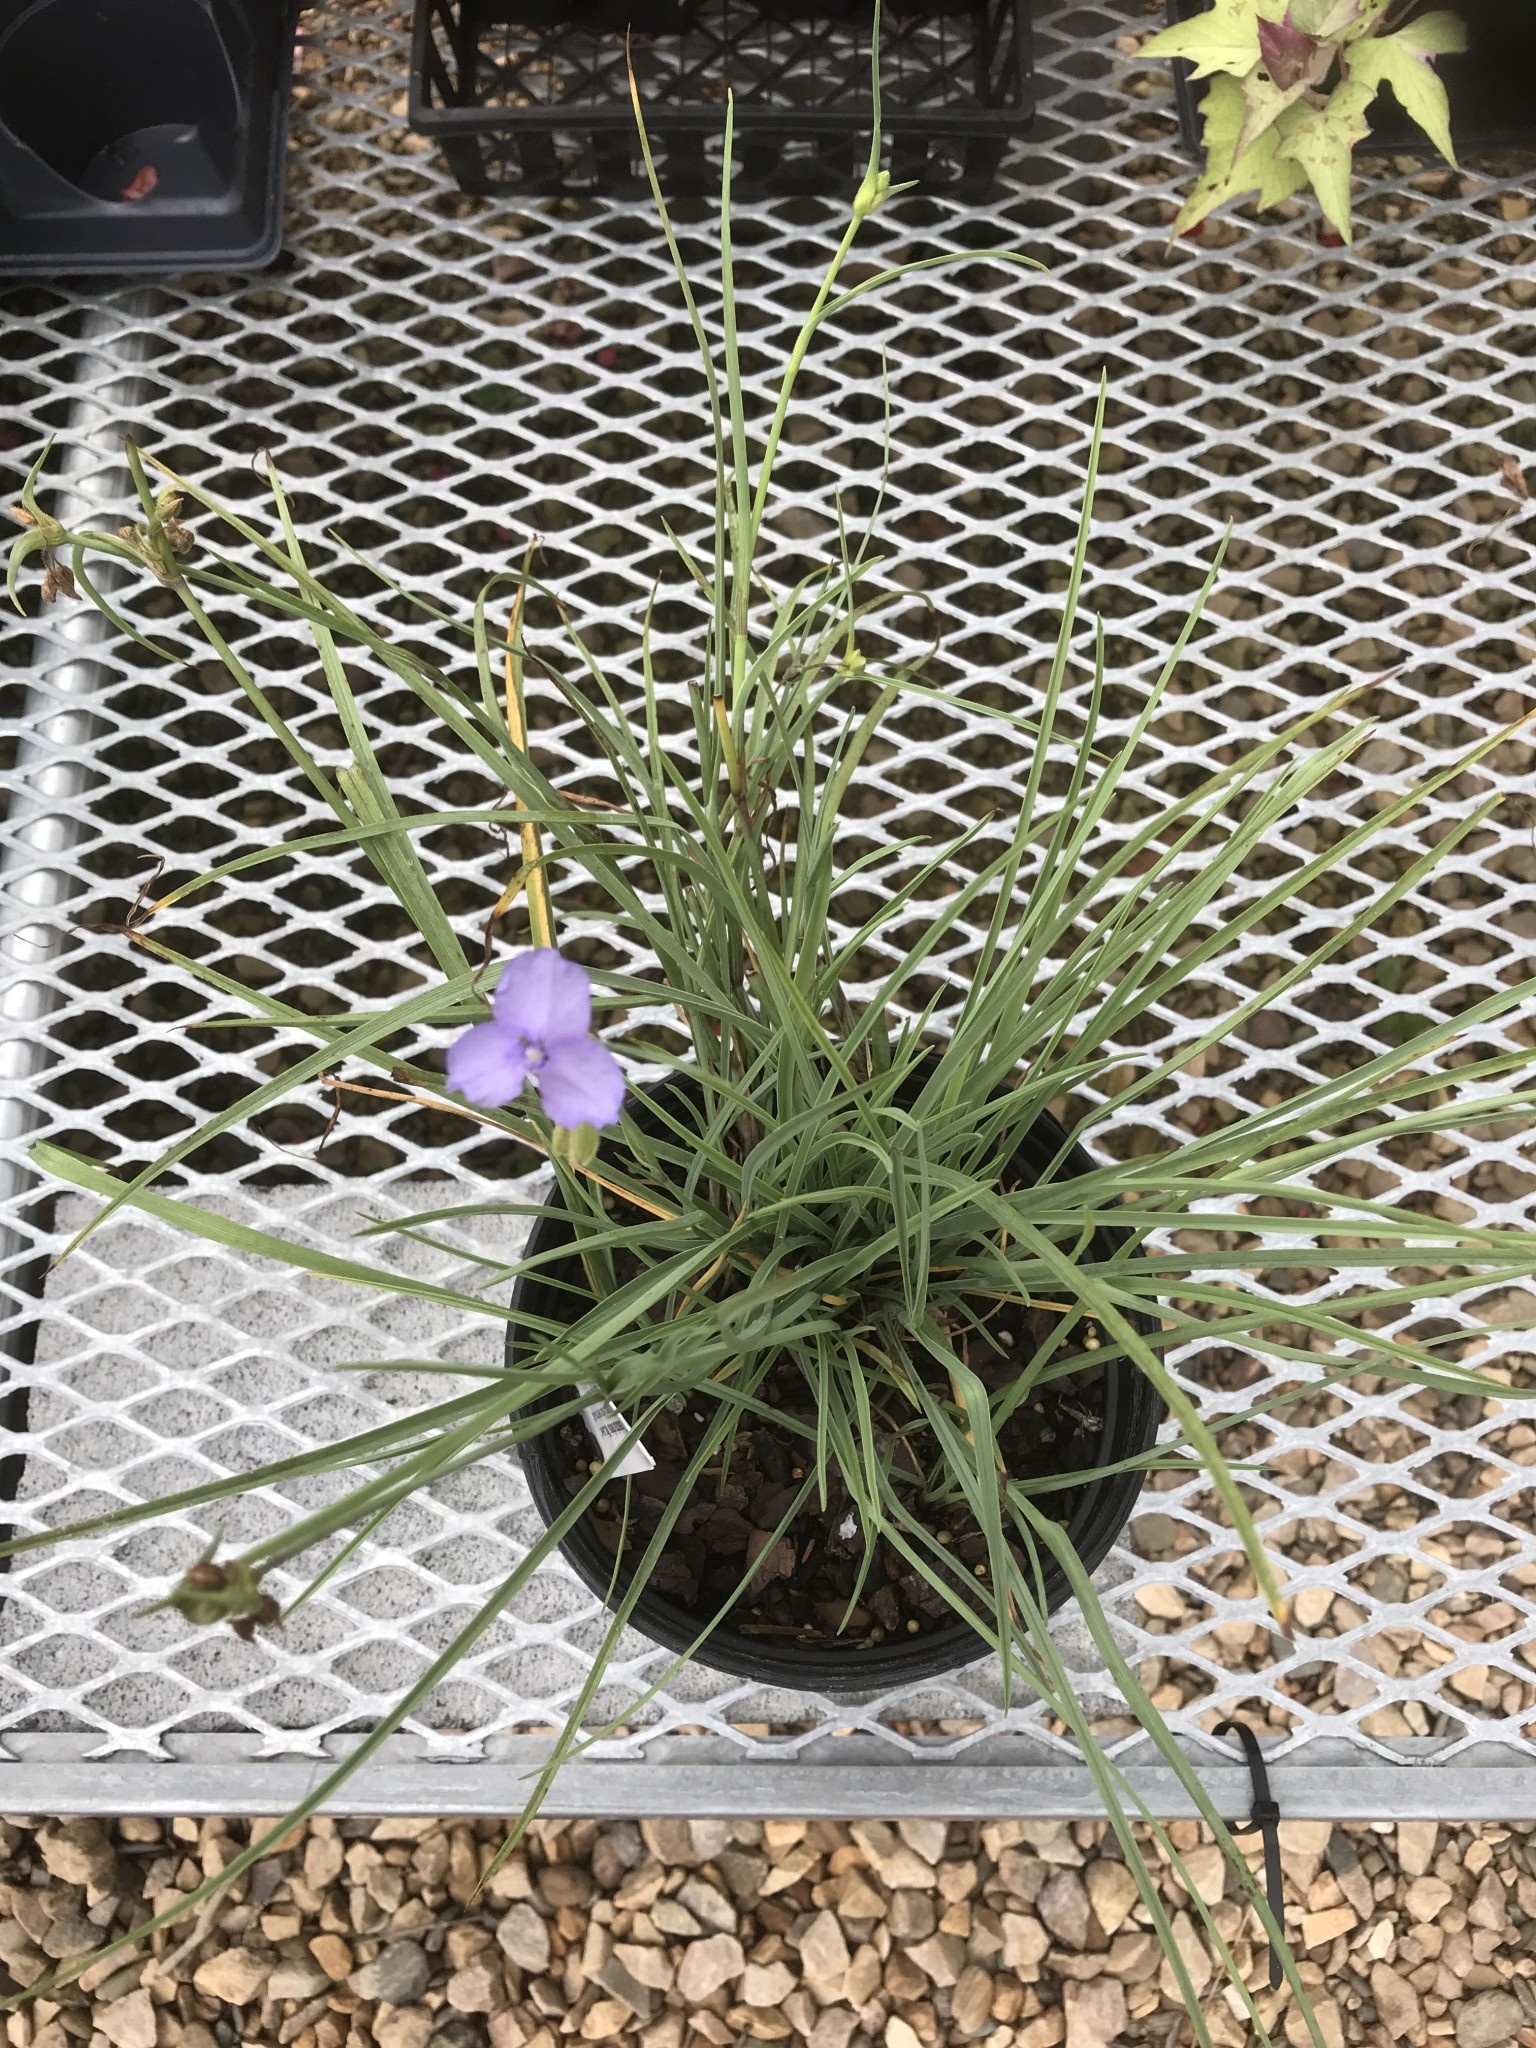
(581, 1083)
(487, 1065)
(544, 996)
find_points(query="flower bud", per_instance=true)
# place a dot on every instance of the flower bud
(576, 1146)
(870, 193)
(43, 524)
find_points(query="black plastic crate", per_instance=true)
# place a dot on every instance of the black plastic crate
(142, 135)
(541, 102)
(1492, 83)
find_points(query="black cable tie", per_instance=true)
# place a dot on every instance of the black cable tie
(1265, 1817)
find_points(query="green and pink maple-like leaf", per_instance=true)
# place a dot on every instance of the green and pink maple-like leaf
(1292, 83)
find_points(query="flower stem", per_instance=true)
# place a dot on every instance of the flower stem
(541, 916)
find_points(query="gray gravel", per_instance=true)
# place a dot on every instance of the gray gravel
(674, 1934)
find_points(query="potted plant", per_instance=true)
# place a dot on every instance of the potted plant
(826, 1332)
(1293, 86)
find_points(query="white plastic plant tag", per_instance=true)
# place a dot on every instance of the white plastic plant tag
(608, 1429)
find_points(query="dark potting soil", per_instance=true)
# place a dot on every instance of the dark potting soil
(804, 1581)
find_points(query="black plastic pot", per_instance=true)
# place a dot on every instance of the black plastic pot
(533, 95)
(1132, 1414)
(141, 136)
(1491, 84)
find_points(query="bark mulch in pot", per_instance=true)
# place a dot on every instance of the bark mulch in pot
(812, 1586)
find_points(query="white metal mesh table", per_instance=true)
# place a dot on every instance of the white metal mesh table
(442, 376)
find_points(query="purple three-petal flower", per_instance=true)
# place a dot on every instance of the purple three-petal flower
(540, 1031)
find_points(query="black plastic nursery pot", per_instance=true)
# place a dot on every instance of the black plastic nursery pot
(1131, 1414)
(533, 95)
(1491, 84)
(142, 136)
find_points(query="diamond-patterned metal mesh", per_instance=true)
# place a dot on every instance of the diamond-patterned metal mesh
(440, 377)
